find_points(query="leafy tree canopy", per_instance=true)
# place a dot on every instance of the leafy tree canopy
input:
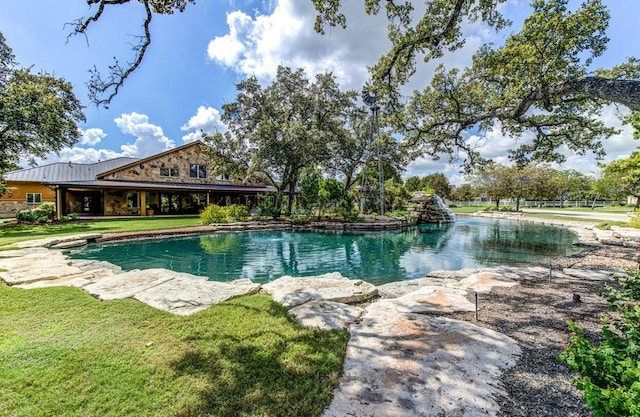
(535, 87)
(625, 173)
(38, 112)
(277, 130)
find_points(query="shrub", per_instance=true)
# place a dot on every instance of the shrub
(399, 213)
(41, 214)
(48, 210)
(25, 216)
(609, 370)
(213, 214)
(634, 221)
(267, 207)
(237, 212)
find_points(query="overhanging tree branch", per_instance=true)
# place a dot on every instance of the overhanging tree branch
(102, 89)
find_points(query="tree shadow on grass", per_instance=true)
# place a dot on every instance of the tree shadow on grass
(275, 369)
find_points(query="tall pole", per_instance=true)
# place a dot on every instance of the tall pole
(370, 100)
(374, 110)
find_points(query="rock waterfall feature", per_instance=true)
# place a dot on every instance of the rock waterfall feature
(431, 209)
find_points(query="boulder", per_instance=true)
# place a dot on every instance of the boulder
(186, 294)
(403, 364)
(128, 284)
(70, 244)
(292, 291)
(326, 315)
(400, 288)
(482, 282)
(432, 299)
(591, 275)
(27, 275)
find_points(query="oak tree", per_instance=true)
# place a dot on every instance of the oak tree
(625, 174)
(277, 130)
(39, 113)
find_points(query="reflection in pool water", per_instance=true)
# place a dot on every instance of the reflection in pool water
(376, 257)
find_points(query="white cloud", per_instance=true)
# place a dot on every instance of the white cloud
(150, 139)
(79, 155)
(227, 49)
(92, 136)
(206, 119)
(257, 45)
(622, 144)
(83, 155)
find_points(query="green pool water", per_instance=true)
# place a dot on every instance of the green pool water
(376, 257)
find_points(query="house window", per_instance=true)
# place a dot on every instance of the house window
(133, 200)
(197, 171)
(169, 172)
(223, 177)
(34, 198)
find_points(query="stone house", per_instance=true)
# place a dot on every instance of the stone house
(177, 181)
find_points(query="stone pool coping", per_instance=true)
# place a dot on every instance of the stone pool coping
(404, 357)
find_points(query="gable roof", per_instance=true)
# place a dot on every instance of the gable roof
(67, 171)
(149, 158)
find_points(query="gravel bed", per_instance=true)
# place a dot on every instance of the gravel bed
(536, 314)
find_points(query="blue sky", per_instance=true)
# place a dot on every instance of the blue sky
(197, 57)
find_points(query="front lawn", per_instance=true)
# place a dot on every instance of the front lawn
(13, 234)
(65, 353)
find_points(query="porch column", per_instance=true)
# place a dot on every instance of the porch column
(143, 203)
(208, 201)
(59, 202)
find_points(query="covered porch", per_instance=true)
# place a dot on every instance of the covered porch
(116, 198)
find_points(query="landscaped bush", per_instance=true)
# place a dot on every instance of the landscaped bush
(224, 214)
(267, 207)
(25, 216)
(400, 213)
(214, 214)
(634, 221)
(237, 212)
(40, 214)
(609, 369)
(501, 209)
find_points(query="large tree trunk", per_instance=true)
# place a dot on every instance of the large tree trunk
(625, 92)
(291, 194)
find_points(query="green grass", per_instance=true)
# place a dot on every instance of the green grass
(598, 209)
(13, 234)
(465, 209)
(65, 353)
(561, 217)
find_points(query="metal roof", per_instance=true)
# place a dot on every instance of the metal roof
(73, 175)
(67, 171)
(165, 186)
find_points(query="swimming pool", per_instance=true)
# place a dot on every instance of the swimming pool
(376, 257)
